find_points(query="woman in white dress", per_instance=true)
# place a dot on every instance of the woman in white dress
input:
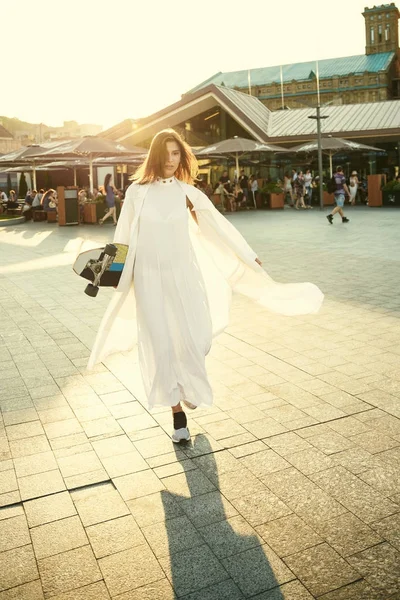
(184, 259)
(353, 187)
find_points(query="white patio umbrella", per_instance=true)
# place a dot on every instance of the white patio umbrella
(238, 146)
(91, 147)
(27, 156)
(331, 146)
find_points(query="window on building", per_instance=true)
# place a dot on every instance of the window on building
(387, 32)
(379, 33)
(372, 35)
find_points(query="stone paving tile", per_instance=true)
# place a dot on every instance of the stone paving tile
(98, 503)
(79, 463)
(226, 590)
(17, 566)
(130, 569)
(174, 468)
(27, 446)
(68, 571)
(355, 495)
(379, 565)
(23, 415)
(40, 484)
(375, 441)
(321, 569)
(158, 590)
(288, 482)
(114, 536)
(112, 446)
(138, 484)
(124, 464)
(27, 591)
(62, 428)
(14, 533)
(265, 428)
(188, 484)
(389, 529)
(193, 570)
(8, 481)
(155, 508)
(93, 591)
(347, 534)
(173, 536)
(58, 536)
(35, 463)
(288, 535)
(52, 415)
(385, 479)
(260, 507)
(230, 536)
(265, 462)
(257, 570)
(216, 464)
(8, 512)
(161, 444)
(315, 506)
(49, 508)
(360, 590)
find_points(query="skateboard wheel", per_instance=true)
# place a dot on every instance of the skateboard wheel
(91, 290)
(110, 249)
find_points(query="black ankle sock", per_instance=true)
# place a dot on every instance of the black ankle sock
(180, 420)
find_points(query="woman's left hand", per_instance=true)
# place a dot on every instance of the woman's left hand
(258, 261)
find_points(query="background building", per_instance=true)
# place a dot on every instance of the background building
(370, 77)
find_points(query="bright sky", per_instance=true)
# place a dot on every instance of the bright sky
(102, 62)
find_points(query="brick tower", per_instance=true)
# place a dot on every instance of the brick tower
(381, 28)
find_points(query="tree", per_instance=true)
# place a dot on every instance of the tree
(23, 186)
(9, 184)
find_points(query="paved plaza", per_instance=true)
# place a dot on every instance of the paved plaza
(290, 488)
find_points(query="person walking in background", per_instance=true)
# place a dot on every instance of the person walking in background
(308, 179)
(254, 189)
(353, 188)
(244, 184)
(109, 191)
(299, 189)
(341, 190)
(287, 188)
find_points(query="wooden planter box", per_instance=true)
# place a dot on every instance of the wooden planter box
(276, 201)
(329, 199)
(89, 213)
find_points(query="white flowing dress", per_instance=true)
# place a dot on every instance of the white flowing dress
(173, 316)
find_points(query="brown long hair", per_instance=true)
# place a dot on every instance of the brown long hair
(153, 165)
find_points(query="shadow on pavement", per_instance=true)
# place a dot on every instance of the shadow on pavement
(208, 559)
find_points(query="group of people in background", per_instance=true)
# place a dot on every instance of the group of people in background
(233, 195)
(300, 186)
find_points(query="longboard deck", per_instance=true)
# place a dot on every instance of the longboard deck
(112, 275)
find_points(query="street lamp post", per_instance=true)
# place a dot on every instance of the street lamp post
(318, 118)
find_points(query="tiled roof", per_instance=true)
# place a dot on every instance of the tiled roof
(345, 118)
(302, 71)
(255, 110)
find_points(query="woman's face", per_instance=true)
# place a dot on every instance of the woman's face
(172, 158)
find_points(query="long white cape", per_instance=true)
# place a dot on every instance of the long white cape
(227, 263)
